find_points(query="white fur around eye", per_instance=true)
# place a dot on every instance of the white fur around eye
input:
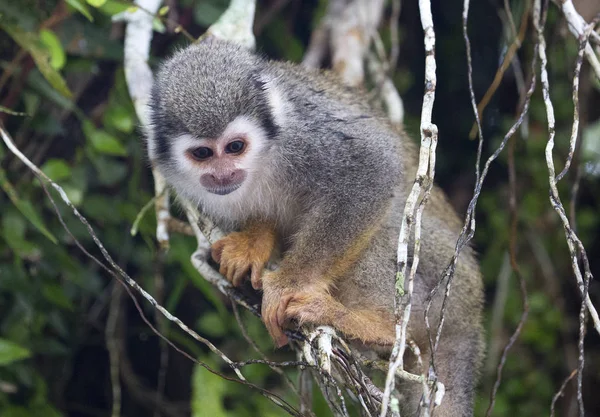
(181, 145)
(256, 141)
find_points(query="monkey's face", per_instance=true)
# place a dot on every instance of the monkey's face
(220, 165)
(213, 128)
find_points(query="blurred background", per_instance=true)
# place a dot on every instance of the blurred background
(60, 314)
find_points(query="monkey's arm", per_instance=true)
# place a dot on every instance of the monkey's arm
(326, 247)
(246, 251)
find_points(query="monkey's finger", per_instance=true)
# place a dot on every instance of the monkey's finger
(223, 269)
(238, 275)
(256, 276)
(278, 336)
(267, 315)
(282, 340)
(232, 271)
(270, 319)
(281, 310)
(216, 250)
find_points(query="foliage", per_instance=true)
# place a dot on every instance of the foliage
(64, 99)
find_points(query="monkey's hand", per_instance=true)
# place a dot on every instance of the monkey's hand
(241, 252)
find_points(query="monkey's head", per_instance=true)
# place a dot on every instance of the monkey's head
(212, 121)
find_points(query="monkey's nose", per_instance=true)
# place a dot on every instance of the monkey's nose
(226, 179)
(223, 182)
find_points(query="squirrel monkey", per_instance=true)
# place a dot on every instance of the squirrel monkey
(288, 159)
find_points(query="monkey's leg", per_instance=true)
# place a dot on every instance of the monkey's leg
(244, 251)
(320, 308)
(456, 362)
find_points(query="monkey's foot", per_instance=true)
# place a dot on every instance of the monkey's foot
(309, 307)
(320, 308)
(280, 306)
(241, 252)
(314, 305)
(369, 326)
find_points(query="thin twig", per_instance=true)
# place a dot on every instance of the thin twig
(578, 27)
(561, 391)
(465, 19)
(412, 213)
(509, 16)
(508, 57)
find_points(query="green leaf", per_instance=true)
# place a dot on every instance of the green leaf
(163, 11)
(58, 57)
(56, 295)
(24, 207)
(110, 170)
(158, 26)
(96, 3)
(212, 324)
(208, 391)
(13, 230)
(96, 206)
(13, 225)
(56, 169)
(81, 8)
(31, 43)
(120, 118)
(105, 143)
(11, 112)
(44, 91)
(11, 352)
(102, 141)
(114, 7)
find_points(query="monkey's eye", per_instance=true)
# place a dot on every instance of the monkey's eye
(201, 153)
(235, 147)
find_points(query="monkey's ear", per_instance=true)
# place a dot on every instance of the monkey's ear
(274, 96)
(207, 37)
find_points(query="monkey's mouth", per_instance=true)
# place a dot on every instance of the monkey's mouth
(224, 190)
